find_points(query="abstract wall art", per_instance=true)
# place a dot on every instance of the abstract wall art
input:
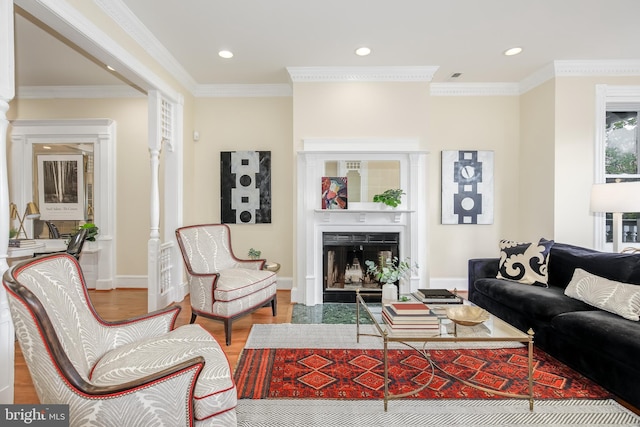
(245, 181)
(467, 187)
(334, 192)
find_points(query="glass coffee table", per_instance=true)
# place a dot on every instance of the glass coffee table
(492, 330)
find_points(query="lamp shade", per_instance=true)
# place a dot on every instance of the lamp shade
(616, 197)
(13, 211)
(32, 211)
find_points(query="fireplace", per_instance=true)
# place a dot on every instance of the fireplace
(404, 228)
(344, 262)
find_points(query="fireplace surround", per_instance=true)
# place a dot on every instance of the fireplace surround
(408, 221)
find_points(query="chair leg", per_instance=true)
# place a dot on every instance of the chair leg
(227, 331)
(193, 317)
(274, 305)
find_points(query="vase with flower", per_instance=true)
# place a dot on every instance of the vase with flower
(388, 272)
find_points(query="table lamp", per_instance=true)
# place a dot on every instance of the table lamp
(31, 212)
(617, 198)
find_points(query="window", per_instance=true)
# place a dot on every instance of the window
(622, 150)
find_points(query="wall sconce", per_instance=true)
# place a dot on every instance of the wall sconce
(31, 212)
(616, 198)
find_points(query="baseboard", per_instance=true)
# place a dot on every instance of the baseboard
(131, 282)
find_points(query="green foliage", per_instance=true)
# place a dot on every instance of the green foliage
(390, 270)
(92, 231)
(618, 162)
(254, 253)
(12, 233)
(389, 197)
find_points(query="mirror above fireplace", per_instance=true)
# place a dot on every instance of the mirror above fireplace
(365, 178)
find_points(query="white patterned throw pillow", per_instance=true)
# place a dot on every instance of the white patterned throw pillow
(524, 262)
(619, 298)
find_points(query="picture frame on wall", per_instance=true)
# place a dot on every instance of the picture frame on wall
(467, 187)
(245, 187)
(61, 187)
(334, 192)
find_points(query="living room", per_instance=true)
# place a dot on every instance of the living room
(541, 127)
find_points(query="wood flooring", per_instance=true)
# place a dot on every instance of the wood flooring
(125, 303)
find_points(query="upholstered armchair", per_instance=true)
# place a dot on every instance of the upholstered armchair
(136, 372)
(222, 286)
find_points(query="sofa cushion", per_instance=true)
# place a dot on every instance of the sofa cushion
(619, 298)
(564, 259)
(533, 301)
(524, 262)
(615, 337)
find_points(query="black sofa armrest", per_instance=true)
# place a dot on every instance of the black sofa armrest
(480, 268)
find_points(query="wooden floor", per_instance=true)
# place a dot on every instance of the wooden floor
(122, 304)
(125, 303)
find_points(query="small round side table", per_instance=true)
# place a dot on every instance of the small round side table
(271, 266)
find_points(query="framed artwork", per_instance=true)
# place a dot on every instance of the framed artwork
(61, 187)
(245, 181)
(467, 187)
(334, 192)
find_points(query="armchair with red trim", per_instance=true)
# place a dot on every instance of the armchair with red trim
(139, 371)
(222, 286)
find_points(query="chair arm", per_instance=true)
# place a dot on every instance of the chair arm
(191, 366)
(154, 323)
(251, 264)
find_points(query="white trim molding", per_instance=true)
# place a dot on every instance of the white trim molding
(78, 92)
(243, 90)
(361, 74)
(129, 22)
(475, 89)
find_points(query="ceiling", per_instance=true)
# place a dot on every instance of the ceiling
(457, 36)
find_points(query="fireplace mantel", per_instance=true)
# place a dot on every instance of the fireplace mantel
(409, 219)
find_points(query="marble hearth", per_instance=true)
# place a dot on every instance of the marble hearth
(409, 220)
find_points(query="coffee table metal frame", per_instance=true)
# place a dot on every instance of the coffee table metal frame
(499, 331)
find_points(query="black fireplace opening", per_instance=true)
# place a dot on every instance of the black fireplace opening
(343, 259)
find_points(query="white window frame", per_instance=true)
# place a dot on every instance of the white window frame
(608, 98)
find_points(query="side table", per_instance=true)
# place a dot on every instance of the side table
(271, 266)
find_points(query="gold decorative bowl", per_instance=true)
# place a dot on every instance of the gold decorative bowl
(467, 315)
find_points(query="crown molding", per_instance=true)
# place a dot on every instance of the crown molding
(243, 91)
(597, 68)
(81, 92)
(474, 89)
(361, 74)
(130, 23)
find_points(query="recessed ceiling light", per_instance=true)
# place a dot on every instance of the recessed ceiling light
(363, 51)
(513, 51)
(226, 54)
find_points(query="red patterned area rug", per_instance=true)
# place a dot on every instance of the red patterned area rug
(358, 374)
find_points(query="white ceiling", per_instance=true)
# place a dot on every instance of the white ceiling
(266, 36)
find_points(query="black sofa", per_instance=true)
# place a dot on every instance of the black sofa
(601, 345)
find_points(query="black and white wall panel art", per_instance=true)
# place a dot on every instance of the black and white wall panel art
(245, 193)
(467, 187)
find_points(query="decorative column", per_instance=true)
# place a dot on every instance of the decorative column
(7, 92)
(153, 246)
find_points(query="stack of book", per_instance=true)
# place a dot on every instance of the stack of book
(437, 296)
(409, 315)
(21, 243)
